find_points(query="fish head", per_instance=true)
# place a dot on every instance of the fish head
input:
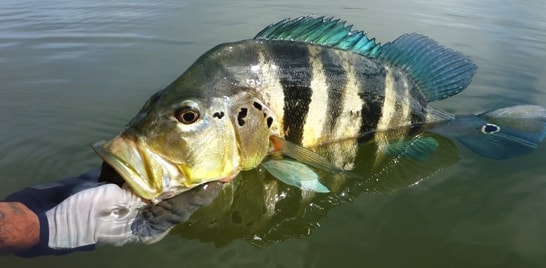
(176, 142)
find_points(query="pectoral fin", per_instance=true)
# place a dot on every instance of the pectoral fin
(295, 174)
(303, 155)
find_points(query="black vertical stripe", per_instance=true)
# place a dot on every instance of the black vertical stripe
(217, 65)
(371, 112)
(418, 109)
(418, 112)
(372, 93)
(336, 80)
(295, 78)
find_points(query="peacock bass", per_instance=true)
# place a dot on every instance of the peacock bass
(299, 83)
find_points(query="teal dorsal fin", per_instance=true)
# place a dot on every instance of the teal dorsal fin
(439, 72)
(321, 31)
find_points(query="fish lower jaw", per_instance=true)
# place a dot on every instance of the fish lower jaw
(149, 176)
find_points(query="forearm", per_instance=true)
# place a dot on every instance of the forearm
(40, 220)
(24, 229)
(19, 227)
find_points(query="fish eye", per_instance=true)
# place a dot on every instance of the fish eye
(188, 113)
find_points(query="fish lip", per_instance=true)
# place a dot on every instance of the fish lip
(148, 173)
(124, 169)
(150, 176)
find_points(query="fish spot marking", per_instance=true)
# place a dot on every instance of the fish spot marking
(269, 122)
(257, 105)
(241, 116)
(490, 128)
(218, 115)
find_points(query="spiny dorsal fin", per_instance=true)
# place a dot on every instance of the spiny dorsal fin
(321, 31)
(438, 71)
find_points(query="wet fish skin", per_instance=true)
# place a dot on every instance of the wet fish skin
(218, 117)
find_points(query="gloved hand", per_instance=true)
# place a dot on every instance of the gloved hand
(154, 221)
(78, 213)
(102, 214)
(108, 214)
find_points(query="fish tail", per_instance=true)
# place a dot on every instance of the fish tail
(501, 133)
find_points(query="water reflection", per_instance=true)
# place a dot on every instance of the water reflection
(55, 105)
(262, 210)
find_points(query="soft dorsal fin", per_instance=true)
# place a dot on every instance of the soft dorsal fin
(438, 71)
(321, 31)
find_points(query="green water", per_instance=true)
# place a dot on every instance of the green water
(74, 72)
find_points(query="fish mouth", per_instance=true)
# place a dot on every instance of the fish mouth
(148, 174)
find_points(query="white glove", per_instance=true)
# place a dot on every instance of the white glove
(98, 215)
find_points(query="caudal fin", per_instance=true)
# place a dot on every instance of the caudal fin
(503, 133)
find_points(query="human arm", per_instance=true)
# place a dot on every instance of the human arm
(78, 213)
(19, 227)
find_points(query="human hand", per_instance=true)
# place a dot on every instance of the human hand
(98, 215)
(154, 221)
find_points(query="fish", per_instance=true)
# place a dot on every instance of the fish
(262, 210)
(298, 84)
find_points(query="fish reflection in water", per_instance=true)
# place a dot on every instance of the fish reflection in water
(258, 208)
(261, 210)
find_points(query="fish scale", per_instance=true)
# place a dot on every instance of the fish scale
(302, 83)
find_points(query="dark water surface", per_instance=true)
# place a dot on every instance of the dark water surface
(74, 72)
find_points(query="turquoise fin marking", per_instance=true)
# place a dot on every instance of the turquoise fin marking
(501, 133)
(438, 71)
(308, 157)
(321, 31)
(312, 159)
(420, 148)
(295, 174)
